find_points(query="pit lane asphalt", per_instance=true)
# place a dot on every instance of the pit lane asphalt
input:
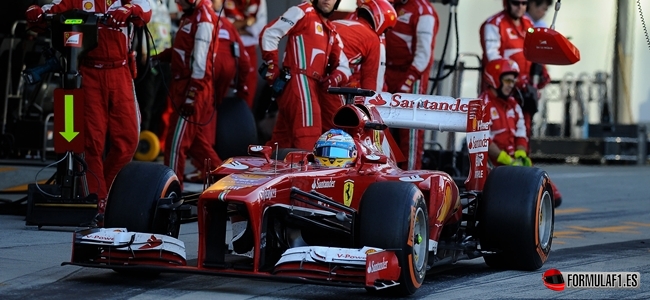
(602, 225)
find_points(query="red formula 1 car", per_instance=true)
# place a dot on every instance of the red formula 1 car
(280, 216)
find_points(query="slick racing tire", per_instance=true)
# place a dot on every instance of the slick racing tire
(148, 146)
(389, 212)
(133, 199)
(516, 218)
(236, 128)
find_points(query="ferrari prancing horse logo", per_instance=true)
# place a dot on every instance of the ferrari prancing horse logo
(348, 192)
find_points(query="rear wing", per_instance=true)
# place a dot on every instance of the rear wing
(414, 111)
(441, 113)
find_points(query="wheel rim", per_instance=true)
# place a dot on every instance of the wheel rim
(173, 225)
(545, 222)
(420, 239)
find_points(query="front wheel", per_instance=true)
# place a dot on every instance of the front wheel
(516, 218)
(393, 215)
(134, 197)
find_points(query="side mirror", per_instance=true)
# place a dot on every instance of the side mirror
(374, 159)
(302, 158)
(260, 151)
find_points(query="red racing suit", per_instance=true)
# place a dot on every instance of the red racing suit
(507, 130)
(253, 13)
(110, 107)
(501, 38)
(312, 45)
(381, 71)
(228, 70)
(409, 57)
(362, 47)
(192, 58)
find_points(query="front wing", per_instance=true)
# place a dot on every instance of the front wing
(116, 248)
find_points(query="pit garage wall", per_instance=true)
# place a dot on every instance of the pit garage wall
(589, 23)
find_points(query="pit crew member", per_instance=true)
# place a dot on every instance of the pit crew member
(151, 85)
(230, 71)
(409, 57)
(536, 11)
(509, 142)
(232, 68)
(502, 36)
(110, 109)
(361, 38)
(314, 60)
(191, 90)
(249, 18)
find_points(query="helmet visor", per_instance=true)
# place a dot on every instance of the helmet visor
(333, 152)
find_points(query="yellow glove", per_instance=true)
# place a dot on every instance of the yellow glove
(504, 159)
(524, 160)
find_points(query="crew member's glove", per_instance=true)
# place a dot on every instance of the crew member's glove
(504, 159)
(407, 85)
(334, 80)
(187, 109)
(34, 14)
(522, 159)
(118, 18)
(270, 71)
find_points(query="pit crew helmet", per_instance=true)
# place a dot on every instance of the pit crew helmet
(382, 12)
(335, 149)
(497, 68)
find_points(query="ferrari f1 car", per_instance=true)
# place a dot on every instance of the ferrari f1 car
(276, 214)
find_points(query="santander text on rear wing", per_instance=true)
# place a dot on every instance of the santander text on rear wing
(441, 113)
(422, 111)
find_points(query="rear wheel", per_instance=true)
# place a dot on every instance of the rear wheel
(134, 197)
(236, 128)
(516, 218)
(393, 215)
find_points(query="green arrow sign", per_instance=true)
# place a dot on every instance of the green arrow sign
(73, 21)
(69, 134)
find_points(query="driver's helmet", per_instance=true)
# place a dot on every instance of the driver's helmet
(335, 149)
